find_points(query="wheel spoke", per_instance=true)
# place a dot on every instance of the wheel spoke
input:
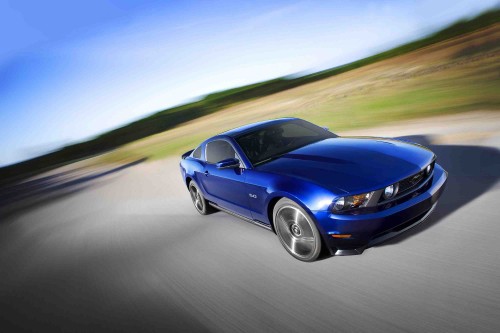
(306, 228)
(197, 199)
(294, 245)
(297, 216)
(283, 227)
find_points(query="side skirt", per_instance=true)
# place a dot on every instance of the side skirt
(246, 219)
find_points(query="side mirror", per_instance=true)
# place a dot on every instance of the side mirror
(326, 128)
(228, 163)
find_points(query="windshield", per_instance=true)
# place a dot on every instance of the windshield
(267, 143)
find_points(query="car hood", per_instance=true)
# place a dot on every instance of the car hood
(352, 164)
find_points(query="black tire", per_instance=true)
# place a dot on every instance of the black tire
(200, 203)
(296, 230)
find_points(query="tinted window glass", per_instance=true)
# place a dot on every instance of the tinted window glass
(270, 142)
(197, 153)
(219, 150)
(291, 130)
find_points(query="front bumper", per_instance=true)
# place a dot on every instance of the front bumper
(369, 229)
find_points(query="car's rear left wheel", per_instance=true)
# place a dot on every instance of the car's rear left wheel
(199, 201)
(296, 230)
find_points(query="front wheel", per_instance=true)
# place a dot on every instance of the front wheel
(296, 230)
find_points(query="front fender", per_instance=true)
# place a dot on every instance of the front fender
(311, 197)
(275, 196)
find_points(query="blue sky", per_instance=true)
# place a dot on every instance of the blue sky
(72, 69)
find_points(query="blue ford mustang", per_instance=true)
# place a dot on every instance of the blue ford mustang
(312, 187)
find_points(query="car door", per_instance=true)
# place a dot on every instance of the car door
(225, 187)
(258, 188)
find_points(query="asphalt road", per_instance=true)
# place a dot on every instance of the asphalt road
(128, 252)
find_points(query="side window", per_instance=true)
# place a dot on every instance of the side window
(197, 153)
(219, 150)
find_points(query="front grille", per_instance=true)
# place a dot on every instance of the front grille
(410, 182)
(408, 185)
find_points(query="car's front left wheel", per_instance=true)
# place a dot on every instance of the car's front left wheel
(296, 230)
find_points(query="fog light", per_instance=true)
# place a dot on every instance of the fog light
(389, 191)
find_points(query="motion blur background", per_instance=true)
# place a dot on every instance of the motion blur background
(99, 98)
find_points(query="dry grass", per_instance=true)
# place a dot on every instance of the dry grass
(462, 74)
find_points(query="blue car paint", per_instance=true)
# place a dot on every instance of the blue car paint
(356, 164)
(226, 187)
(314, 176)
(365, 227)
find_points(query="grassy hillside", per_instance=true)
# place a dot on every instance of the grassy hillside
(457, 75)
(360, 109)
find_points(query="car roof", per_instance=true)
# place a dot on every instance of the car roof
(251, 127)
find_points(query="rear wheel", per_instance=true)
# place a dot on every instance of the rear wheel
(296, 230)
(199, 201)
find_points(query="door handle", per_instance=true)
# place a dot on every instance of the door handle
(206, 173)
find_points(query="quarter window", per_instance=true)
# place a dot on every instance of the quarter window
(197, 153)
(219, 150)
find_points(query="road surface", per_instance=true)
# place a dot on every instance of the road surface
(128, 252)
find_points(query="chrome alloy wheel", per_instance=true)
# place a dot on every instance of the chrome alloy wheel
(297, 233)
(198, 200)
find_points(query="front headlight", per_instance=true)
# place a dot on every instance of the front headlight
(351, 202)
(339, 204)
